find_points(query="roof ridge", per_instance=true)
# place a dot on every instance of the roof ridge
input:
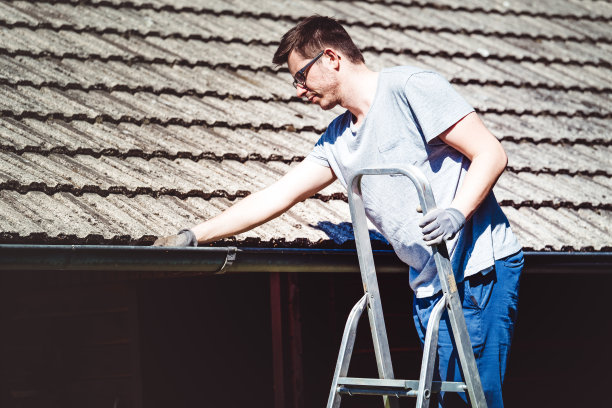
(548, 112)
(16, 186)
(139, 153)
(566, 172)
(199, 37)
(421, 5)
(479, 55)
(479, 9)
(136, 59)
(133, 89)
(212, 156)
(556, 205)
(559, 142)
(50, 116)
(153, 90)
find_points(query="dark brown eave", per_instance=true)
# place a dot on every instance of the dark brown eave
(211, 260)
(202, 260)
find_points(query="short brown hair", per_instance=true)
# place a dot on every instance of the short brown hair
(312, 35)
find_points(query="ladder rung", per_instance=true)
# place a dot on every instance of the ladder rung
(400, 388)
(369, 391)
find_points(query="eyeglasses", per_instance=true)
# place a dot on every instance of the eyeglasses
(300, 77)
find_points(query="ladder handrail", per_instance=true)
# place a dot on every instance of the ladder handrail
(424, 193)
(445, 274)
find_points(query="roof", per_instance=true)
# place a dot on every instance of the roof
(125, 120)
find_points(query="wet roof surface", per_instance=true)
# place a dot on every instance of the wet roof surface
(121, 121)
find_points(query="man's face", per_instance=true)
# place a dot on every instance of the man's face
(319, 86)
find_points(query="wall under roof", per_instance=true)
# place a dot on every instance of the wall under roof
(125, 120)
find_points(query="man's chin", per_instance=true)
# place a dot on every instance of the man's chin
(326, 105)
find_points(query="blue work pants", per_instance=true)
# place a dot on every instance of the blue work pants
(490, 308)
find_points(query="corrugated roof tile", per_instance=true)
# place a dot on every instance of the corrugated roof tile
(112, 107)
(557, 229)
(556, 189)
(559, 157)
(153, 139)
(266, 84)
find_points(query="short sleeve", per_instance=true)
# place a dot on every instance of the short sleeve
(318, 154)
(434, 102)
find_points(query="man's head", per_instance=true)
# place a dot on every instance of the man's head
(313, 51)
(314, 34)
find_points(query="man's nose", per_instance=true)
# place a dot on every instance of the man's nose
(300, 91)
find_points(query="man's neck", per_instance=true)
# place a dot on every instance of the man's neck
(358, 91)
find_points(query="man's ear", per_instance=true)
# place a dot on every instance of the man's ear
(333, 58)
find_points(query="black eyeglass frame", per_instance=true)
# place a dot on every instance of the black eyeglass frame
(300, 77)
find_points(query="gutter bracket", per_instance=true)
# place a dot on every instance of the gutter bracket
(230, 257)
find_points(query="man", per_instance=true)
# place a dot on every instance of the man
(402, 115)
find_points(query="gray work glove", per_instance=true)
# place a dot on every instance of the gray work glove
(184, 238)
(441, 224)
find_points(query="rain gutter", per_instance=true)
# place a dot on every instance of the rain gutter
(206, 260)
(213, 260)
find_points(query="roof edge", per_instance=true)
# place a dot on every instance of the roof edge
(201, 260)
(568, 262)
(213, 260)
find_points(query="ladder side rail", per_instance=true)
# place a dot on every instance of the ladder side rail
(445, 274)
(458, 325)
(346, 350)
(429, 355)
(370, 285)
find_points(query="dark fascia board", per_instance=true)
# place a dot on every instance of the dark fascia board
(201, 260)
(568, 262)
(211, 260)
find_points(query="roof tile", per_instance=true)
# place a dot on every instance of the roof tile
(122, 120)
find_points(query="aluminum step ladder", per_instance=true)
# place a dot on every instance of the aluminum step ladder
(386, 386)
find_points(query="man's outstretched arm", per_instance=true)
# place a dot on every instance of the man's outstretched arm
(299, 183)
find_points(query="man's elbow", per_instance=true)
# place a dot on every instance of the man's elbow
(501, 160)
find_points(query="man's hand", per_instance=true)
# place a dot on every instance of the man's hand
(184, 238)
(441, 224)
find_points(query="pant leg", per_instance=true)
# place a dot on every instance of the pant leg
(490, 309)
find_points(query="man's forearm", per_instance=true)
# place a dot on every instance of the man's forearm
(488, 160)
(301, 182)
(246, 214)
(480, 178)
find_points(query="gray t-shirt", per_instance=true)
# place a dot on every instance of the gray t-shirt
(411, 108)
